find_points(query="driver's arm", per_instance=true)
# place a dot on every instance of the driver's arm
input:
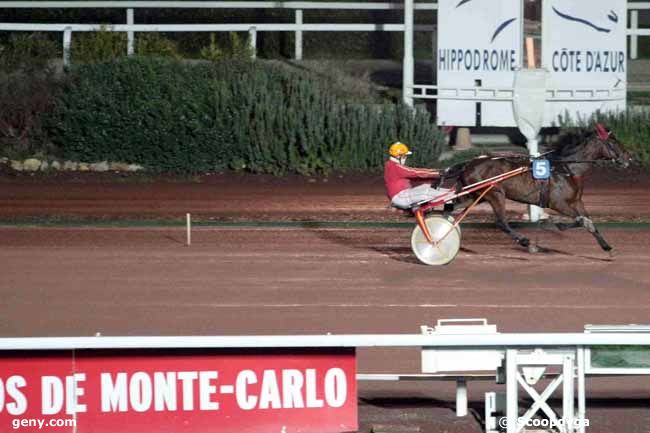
(418, 173)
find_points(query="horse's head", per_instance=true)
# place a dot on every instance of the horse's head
(607, 147)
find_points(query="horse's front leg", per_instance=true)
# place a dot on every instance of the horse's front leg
(587, 223)
(578, 211)
(497, 200)
(583, 219)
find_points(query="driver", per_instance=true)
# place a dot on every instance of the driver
(408, 186)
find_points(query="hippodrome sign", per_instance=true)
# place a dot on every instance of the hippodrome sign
(225, 392)
(479, 45)
(584, 48)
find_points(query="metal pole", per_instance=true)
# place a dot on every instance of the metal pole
(298, 36)
(582, 403)
(252, 40)
(535, 212)
(634, 39)
(188, 228)
(409, 62)
(568, 395)
(130, 34)
(461, 397)
(67, 40)
(512, 407)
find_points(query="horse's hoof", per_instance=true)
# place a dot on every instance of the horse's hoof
(612, 253)
(533, 249)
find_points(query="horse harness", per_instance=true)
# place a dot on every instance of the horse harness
(559, 167)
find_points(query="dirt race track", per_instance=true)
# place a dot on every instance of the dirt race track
(610, 195)
(247, 280)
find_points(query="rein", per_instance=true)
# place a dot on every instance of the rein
(564, 161)
(584, 161)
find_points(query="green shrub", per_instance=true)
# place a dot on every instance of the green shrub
(25, 96)
(237, 49)
(27, 51)
(155, 45)
(27, 91)
(213, 51)
(100, 46)
(240, 49)
(174, 117)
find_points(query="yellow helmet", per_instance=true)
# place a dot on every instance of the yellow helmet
(398, 150)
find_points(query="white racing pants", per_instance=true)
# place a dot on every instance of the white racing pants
(422, 193)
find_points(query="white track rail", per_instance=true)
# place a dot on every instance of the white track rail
(548, 340)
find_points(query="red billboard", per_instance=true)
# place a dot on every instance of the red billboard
(284, 391)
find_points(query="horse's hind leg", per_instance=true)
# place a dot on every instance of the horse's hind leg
(578, 211)
(564, 226)
(497, 200)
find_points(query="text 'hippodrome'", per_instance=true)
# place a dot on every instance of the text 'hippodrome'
(477, 60)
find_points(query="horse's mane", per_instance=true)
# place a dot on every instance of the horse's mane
(569, 142)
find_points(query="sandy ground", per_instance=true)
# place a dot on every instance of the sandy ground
(354, 280)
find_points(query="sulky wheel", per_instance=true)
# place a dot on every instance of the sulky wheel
(452, 220)
(442, 251)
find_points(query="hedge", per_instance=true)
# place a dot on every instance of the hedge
(175, 117)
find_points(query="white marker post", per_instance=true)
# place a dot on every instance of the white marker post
(529, 105)
(188, 220)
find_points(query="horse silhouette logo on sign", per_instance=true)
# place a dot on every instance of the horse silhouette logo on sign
(612, 16)
(500, 28)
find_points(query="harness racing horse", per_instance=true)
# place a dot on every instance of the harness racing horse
(562, 192)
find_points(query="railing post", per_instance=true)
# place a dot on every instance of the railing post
(634, 39)
(568, 391)
(512, 406)
(298, 36)
(131, 34)
(461, 397)
(252, 41)
(409, 63)
(582, 404)
(67, 41)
